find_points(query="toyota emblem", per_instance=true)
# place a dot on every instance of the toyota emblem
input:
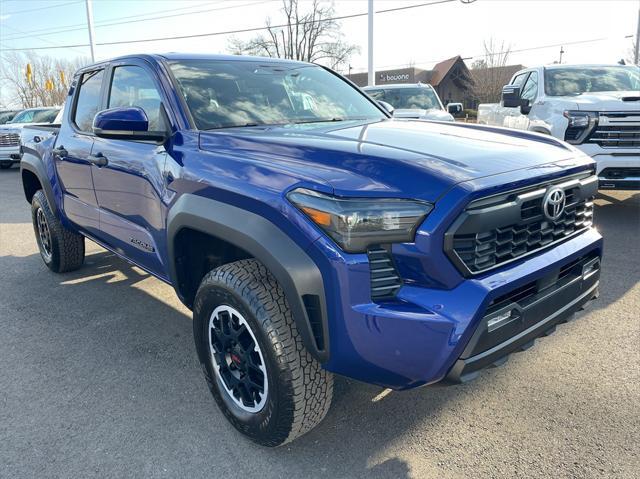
(553, 203)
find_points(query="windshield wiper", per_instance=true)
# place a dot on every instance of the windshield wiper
(239, 125)
(319, 120)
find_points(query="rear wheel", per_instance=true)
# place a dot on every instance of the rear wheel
(265, 382)
(61, 249)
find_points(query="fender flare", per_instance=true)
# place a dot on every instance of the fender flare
(295, 271)
(31, 162)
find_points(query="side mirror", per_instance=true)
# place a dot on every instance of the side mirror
(128, 123)
(511, 96)
(388, 107)
(454, 108)
(525, 106)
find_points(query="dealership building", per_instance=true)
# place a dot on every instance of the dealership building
(451, 78)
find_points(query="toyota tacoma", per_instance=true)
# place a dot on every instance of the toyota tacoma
(310, 233)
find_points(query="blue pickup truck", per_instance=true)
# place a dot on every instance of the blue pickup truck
(309, 232)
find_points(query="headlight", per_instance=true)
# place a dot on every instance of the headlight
(581, 124)
(357, 223)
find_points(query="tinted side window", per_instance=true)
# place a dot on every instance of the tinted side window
(133, 86)
(519, 80)
(88, 101)
(530, 90)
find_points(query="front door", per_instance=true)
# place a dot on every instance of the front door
(130, 185)
(72, 153)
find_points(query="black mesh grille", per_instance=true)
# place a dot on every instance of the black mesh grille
(484, 241)
(385, 280)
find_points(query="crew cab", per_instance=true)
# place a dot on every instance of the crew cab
(595, 107)
(10, 132)
(311, 233)
(417, 101)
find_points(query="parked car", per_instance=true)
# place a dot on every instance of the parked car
(10, 132)
(595, 107)
(7, 115)
(314, 236)
(417, 100)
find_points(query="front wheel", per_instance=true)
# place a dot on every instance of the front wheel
(264, 381)
(5, 165)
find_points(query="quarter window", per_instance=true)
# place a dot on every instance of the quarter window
(133, 86)
(88, 101)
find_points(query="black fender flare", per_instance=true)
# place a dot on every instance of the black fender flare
(292, 267)
(32, 162)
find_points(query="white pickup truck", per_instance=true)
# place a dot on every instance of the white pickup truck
(594, 107)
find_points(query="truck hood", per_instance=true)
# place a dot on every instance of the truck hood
(605, 101)
(431, 114)
(400, 158)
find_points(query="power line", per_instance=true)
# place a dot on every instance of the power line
(539, 47)
(57, 28)
(50, 42)
(108, 23)
(283, 25)
(40, 8)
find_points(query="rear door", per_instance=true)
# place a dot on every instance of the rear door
(72, 152)
(130, 188)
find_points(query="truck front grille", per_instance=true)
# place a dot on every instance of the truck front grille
(497, 230)
(9, 139)
(385, 280)
(617, 130)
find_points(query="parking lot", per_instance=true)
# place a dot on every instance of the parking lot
(100, 377)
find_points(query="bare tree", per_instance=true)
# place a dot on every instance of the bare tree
(48, 84)
(490, 73)
(311, 36)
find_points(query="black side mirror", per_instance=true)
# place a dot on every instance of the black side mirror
(388, 107)
(454, 108)
(511, 96)
(525, 106)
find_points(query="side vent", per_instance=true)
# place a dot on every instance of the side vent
(312, 305)
(385, 280)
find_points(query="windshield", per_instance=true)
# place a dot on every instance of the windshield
(6, 116)
(575, 81)
(420, 98)
(224, 94)
(36, 116)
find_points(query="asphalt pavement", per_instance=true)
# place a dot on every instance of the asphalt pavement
(99, 378)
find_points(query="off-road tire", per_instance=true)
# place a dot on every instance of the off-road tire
(66, 246)
(300, 391)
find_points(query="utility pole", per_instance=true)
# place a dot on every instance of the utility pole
(90, 28)
(561, 52)
(636, 54)
(372, 77)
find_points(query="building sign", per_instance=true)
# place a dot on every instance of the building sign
(386, 77)
(395, 76)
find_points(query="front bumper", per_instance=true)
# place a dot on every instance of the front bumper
(10, 153)
(617, 169)
(429, 333)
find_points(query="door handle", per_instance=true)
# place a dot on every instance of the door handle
(98, 159)
(60, 152)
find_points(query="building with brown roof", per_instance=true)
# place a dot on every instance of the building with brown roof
(451, 78)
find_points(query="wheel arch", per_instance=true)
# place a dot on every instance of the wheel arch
(34, 176)
(251, 235)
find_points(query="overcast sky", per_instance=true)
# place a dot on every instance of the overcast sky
(420, 35)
